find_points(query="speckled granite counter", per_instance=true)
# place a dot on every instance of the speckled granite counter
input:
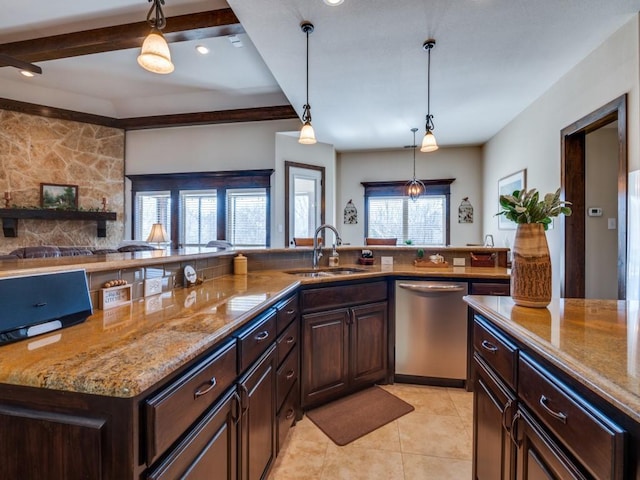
(123, 351)
(596, 342)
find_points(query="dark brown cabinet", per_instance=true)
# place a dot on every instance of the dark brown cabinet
(539, 458)
(493, 404)
(343, 348)
(529, 425)
(51, 445)
(210, 446)
(257, 390)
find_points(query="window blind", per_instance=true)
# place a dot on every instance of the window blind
(150, 208)
(247, 217)
(199, 215)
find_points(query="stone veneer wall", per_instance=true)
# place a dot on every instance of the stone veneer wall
(35, 150)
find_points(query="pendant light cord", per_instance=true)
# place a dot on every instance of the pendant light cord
(307, 28)
(428, 45)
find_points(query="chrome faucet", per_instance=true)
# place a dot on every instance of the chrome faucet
(317, 249)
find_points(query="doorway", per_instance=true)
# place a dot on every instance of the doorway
(304, 200)
(579, 238)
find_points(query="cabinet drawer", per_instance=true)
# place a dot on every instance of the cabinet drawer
(253, 341)
(344, 295)
(170, 412)
(287, 311)
(501, 289)
(287, 340)
(287, 416)
(210, 444)
(496, 351)
(286, 376)
(591, 437)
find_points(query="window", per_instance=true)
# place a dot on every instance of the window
(246, 221)
(390, 213)
(199, 217)
(150, 208)
(204, 206)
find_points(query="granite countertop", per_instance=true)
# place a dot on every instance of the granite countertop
(123, 351)
(596, 342)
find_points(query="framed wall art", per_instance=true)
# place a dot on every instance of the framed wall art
(506, 186)
(56, 196)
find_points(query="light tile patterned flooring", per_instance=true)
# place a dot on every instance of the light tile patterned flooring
(432, 442)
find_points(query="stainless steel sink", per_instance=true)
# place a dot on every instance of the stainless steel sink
(325, 272)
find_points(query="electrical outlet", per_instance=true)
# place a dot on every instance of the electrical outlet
(152, 286)
(458, 262)
(386, 260)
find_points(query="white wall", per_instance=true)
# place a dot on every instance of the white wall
(463, 163)
(601, 246)
(532, 140)
(238, 146)
(206, 148)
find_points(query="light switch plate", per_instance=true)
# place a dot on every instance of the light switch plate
(152, 286)
(458, 262)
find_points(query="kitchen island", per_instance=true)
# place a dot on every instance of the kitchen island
(557, 389)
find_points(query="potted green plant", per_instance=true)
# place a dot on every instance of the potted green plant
(531, 262)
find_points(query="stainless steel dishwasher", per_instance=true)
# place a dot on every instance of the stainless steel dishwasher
(431, 332)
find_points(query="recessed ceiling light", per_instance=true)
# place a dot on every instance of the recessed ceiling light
(333, 3)
(202, 50)
(27, 73)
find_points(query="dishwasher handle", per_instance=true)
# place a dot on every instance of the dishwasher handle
(433, 288)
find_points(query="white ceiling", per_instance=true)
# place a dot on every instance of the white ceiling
(367, 68)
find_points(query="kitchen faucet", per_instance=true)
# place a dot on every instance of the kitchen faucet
(317, 250)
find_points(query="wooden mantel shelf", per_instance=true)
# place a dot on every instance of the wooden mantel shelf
(10, 218)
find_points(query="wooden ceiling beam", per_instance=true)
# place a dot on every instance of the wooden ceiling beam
(194, 26)
(281, 112)
(259, 114)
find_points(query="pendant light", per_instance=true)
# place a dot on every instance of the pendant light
(307, 135)
(429, 143)
(154, 55)
(415, 187)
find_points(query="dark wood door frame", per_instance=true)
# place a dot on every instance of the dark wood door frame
(573, 187)
(287, 171)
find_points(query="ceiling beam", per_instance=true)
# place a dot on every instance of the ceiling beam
(260, 114)
(281, 112)
(194, 26)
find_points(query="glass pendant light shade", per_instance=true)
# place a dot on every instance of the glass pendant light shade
(155, 55)
(415, 188)
(307, 135)
(429, 143)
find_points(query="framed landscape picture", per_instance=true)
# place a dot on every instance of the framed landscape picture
(62, 197)
(506, 186)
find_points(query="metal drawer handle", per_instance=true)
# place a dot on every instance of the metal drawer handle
(489, 347)
(290, 374)
(499, 293)
(291, 312)
(289, 414)
(262, 336)
(291, 339)
(211, 384)
(557, 415)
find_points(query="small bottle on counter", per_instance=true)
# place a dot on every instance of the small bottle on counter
(240, 265)
(334, 260)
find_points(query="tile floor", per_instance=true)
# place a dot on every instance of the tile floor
(432, 442)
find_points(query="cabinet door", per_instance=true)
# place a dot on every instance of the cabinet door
(210, 446)
(539, 458)
(368, 343)
(325, 355)
(47, 445)
(493, 450)
(258, 420)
